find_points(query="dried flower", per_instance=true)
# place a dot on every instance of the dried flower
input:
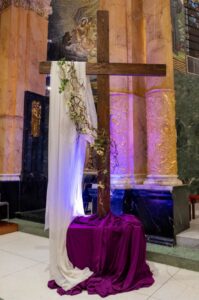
(100, 152)
(101, 185)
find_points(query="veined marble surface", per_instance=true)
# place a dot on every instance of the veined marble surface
(187, 123)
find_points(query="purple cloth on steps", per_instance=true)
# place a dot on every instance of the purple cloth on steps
(114, 248)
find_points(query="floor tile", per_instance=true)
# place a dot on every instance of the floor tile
(162, 273)
(28, 284)
(189, 237)
(28, 246)
(176, 290)
(127, 296)
(182, 286)
(24, 275)
(188, 278)
(31, 284)
(10, 237)
(192, 232)
(11, 263)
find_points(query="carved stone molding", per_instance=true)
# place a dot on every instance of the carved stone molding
(41, 7)
(167, 180)
(126, 181)
(9, 177)
(10, 117)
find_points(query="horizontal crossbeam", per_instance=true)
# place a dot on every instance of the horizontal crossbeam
(116, 69)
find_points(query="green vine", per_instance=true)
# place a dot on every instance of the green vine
(70, 85)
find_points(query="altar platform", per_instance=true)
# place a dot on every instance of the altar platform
(178, 256)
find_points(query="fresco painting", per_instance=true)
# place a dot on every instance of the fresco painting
(72, 30)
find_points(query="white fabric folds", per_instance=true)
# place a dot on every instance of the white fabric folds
(65, 163)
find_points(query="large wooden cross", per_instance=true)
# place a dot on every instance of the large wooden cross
(103, 69)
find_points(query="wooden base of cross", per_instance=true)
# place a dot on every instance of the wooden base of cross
(103, 69)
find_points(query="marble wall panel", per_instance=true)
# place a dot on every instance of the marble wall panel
(121, 124)
(11, 131)
(187, 123)
(159, 41)
(23, 44)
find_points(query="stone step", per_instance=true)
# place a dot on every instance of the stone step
(181, 257)
(190, 237)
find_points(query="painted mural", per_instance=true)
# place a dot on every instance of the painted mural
(72, 30)
(192, 4)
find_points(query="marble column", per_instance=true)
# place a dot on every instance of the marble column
(127, 97)
(23, 43)
(137, 54)
(160, 96)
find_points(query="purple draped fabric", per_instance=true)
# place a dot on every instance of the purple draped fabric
(114, 249)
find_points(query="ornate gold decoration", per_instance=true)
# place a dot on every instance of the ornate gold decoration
(41, 7)
(161, 132)
(36, 118)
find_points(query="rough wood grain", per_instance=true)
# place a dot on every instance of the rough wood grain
(103, 111)
(115, 69)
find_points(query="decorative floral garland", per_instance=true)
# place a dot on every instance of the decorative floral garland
(70, 85)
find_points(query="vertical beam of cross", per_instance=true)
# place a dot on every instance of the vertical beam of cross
(103, 111)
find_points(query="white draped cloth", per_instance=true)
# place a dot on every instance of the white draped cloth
(65, 172)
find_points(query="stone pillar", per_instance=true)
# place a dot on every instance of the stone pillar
(127, 101)
(160, 96)
(23, 43)
(137, 54)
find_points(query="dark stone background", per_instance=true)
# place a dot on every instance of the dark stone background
(34, 175)
(187, 124)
